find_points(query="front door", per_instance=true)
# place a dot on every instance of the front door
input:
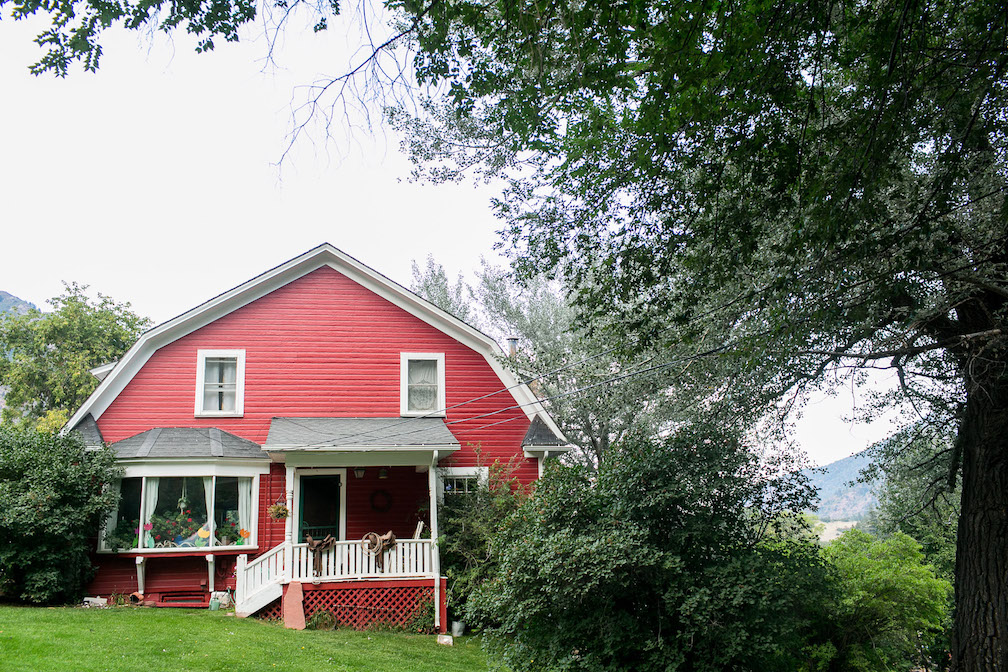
(319, 513)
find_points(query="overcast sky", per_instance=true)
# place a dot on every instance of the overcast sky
(155, 181)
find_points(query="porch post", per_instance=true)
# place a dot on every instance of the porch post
(435, 553)
(288, 571)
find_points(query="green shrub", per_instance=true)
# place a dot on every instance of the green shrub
(466, 524)
(321, 620)
(54, 495)
(663, 560)
(890, 605)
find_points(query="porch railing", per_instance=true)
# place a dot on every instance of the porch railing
(350, 560)
(347, 560)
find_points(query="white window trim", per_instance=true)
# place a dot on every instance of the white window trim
(404, 360)
(201, 357)
(482, 475)
(253, 538)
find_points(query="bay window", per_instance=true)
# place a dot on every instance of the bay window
(182, 513)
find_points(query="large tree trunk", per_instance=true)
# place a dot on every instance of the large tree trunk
(980, 637)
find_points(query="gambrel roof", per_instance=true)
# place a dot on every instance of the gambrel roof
(116, 379)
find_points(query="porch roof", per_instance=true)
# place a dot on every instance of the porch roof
(187, 442)
(359, 434)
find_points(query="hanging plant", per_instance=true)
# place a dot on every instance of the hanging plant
(277, 510)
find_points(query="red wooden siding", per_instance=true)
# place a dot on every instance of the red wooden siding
(407, 495)
(321, 346)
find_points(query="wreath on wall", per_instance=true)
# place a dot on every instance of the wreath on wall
(381, 501)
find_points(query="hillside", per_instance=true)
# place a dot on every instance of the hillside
(11, 303)
(838, 499)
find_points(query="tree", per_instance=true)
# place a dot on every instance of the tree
(432, 284)
(891, 604)
(54, 494)
(665, 559)
(596, 397)
(801, 189)
(50, 355)
(812, 188)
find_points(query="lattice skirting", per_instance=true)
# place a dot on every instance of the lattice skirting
(362, 605)
(272, 611)
(367, 606)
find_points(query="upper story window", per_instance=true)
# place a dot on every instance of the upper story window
(422, 384)
(220, 383)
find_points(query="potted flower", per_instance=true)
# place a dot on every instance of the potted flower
(277, 510)
(125, 535)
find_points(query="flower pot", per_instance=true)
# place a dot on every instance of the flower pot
(457, 628)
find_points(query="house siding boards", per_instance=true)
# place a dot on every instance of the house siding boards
(321, 346)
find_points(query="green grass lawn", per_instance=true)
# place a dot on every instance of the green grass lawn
(148, 640)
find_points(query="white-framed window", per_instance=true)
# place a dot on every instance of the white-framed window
(459, 481)
(220, 383)
(183, 513)
(422, 384)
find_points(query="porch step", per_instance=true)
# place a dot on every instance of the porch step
(182, 599)
(261, 598)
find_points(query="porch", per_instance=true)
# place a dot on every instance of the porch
(345, 478)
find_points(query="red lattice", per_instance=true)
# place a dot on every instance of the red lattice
(272, 611)
(361, 607)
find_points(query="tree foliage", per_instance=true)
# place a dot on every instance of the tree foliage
(815, 187)
(467, 524)
(666, 558)
(50, 355)
(891, 606)
(431, 282)
(54, 494)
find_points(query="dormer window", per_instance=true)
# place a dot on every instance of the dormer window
(220, 383)
(422, 384)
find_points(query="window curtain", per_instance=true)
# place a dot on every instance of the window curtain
(423, 379)
(149, 501)
(208, 491)
(220, 384)
(245, 506)
(113, 519)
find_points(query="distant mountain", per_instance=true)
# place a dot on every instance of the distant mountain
(12, 304)
(838, 498)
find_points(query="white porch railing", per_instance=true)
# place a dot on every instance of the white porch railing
(347, 560)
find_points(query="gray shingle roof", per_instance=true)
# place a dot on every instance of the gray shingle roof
(539, 434)
(89, 431)
(187, 442)
(358, 432)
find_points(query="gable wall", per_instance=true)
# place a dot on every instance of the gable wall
(321, 346)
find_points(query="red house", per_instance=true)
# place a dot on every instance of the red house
(323, 388)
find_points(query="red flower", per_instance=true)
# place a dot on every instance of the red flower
(189, 519)
(157, 536)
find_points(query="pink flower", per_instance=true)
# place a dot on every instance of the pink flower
(189, 519)
(148, 526)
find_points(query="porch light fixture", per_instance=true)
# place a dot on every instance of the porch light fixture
(358, 472)
(383, 473)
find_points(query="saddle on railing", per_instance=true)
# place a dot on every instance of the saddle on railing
(376, 544)
(317, 548)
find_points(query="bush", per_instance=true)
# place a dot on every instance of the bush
(668, 558)
(466, 524)
(891, 606)
(54, 495)
(321, 620)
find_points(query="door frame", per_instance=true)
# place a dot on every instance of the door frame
(313, 471)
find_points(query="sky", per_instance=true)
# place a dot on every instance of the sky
(156, 181)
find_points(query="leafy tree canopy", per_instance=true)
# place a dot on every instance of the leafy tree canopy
(891, 605)
(54, 493)
(50, 355)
